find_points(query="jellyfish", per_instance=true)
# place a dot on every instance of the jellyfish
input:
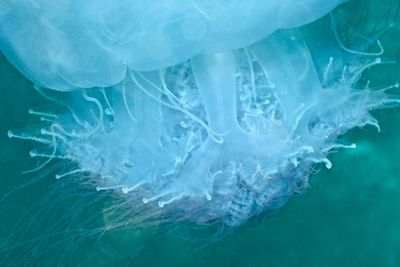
(200, 111)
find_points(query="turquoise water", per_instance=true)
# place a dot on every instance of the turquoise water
(349, 217)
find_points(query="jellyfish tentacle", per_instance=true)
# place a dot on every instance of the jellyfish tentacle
(351, 51)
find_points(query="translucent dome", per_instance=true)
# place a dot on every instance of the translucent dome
(67, 44)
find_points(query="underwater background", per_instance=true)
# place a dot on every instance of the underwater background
(349, 217)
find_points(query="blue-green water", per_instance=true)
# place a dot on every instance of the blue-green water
(349, 217)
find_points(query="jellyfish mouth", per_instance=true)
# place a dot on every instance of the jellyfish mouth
(221, 137)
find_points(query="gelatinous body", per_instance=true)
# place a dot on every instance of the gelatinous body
(181, 113)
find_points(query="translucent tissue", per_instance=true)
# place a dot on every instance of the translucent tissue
(66, 44)
(184, 109)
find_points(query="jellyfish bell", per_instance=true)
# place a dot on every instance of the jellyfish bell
(64, 45)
